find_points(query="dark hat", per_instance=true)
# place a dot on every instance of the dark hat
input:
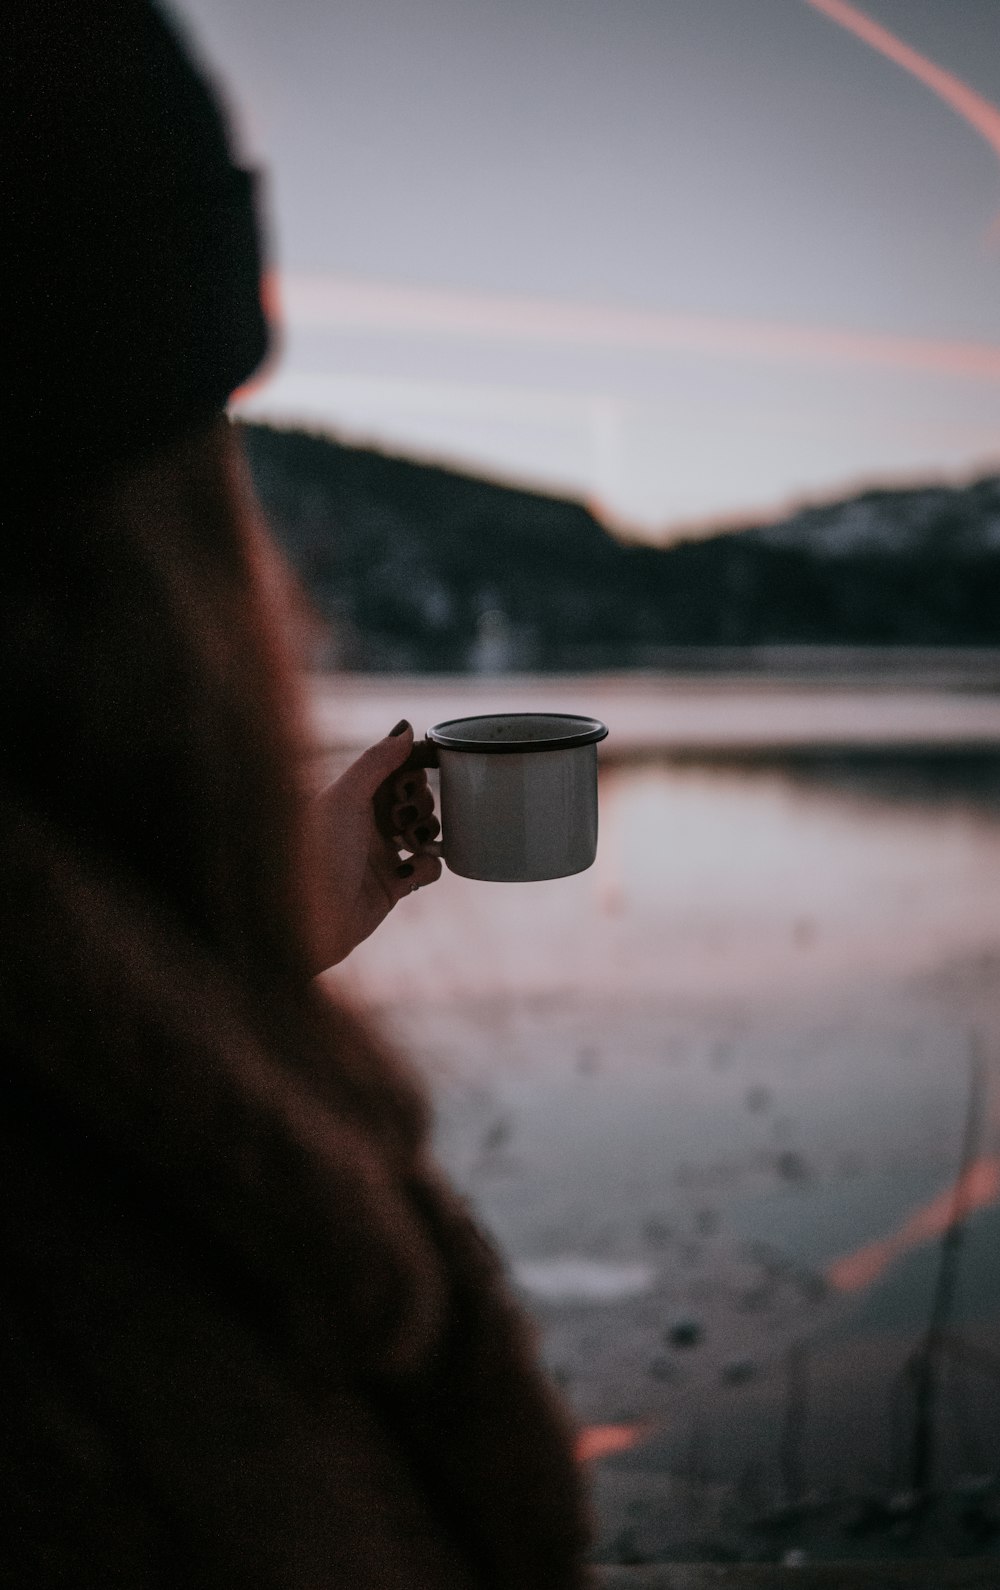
(133, 309)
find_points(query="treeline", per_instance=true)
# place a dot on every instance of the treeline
(415, 568)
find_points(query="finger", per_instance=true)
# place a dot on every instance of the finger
(414, 874)
(421, 755)
(380, 761)
(418, 810)
(421, 836)
(409, 785)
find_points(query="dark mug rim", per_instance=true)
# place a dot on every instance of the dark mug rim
(588, 731)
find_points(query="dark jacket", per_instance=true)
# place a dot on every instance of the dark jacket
(250, 1337)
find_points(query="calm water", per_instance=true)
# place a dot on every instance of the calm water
(710, 1099)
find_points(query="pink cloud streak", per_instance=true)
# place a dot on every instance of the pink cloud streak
(346, 305)
(979, 113)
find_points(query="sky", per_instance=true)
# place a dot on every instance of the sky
(691, 261)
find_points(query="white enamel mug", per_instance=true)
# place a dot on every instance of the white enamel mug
(518, 794)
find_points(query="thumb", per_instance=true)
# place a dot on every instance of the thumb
(382, 759)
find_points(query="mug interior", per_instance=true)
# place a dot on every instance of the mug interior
(517, 731)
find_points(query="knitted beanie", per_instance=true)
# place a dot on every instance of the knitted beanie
(133, 308)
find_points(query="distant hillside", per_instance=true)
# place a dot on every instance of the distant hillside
(421, 569)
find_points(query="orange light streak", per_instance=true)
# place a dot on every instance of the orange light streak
(978, 1188)
(270, 300)
(596, 1441)
(979, 113)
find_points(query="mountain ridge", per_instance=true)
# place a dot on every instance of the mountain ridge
(418, 568)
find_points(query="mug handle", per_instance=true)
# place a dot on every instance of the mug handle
(424, 754)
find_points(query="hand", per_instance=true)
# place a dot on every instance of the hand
(364, 874)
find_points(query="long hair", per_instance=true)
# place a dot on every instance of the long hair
(149, 703)
(220, 1215)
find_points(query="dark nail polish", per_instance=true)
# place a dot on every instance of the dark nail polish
(401, 728)
(408, 815)
(405, 871)
(421, 835)
(409, 788)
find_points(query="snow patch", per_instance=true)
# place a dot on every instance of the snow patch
(570, 1279)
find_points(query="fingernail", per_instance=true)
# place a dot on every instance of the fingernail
(421, 835)
(409, 788)
(407, 815)
(405, 871)
(401, 728)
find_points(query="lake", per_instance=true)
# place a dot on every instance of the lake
(712, 1098)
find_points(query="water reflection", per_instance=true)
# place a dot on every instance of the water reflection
(709, 1097)
(721, 883)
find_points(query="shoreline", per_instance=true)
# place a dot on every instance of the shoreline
(691, 714)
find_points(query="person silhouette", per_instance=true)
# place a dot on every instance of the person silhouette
(250, 1332)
